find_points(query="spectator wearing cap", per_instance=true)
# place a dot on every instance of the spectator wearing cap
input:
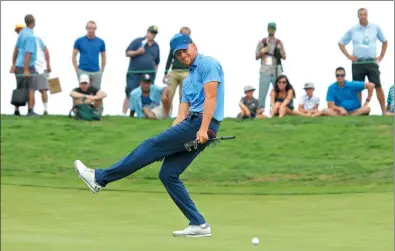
(23, 61)
(87, 93)
(308, 104)
(144, 57)
(19, 27)
(90, 47)
(390, 102)
(149, 101)
(342, 96)
(250, 108)
(270, 50)
(179, 71)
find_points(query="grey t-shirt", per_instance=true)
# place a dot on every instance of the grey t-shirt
(252, 104)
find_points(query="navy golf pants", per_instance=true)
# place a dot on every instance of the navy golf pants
(169, 145)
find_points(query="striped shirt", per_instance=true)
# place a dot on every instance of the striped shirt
(390, 99)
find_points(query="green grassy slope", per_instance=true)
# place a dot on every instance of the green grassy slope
(291, 155)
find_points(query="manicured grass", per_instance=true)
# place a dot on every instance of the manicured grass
(344, 164)
(47, 219)
(290, 155)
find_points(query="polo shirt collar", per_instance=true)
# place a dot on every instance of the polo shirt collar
(364, 27)
(196, 61)
(345, 84)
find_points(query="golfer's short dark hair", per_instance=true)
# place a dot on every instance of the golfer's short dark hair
(29, 19)
(340, 69)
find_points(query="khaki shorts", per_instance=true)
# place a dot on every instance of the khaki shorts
(159, 112)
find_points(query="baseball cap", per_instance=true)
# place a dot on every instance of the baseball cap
(248, 88)
(153, 29)
(145, 77)
(272, 25)
(180, 41)
(19, 26)
(84, 79)
(308, 86)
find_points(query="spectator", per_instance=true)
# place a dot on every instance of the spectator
(250, 108)
(390, 102)
(87, 93)
(342, 96)
(270, 51)
(179, 71)
(89, 47)
(144, 59)
(309, 103)
(150, 101)
(43, 67)
(23, 60)
(364, 60)
(281, 98)
(17, 29)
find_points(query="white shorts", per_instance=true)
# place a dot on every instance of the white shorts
(159, 111)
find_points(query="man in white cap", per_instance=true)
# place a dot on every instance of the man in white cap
(250, 107)
(87, 94)
(309, 103)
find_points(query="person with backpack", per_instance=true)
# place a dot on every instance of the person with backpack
(87, 99)
(270, 50)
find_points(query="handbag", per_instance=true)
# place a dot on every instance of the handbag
(20, 96)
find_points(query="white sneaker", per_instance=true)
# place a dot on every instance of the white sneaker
(87, 175)
(194, 231)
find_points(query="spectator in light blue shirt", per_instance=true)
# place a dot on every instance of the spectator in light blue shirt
(150, 101)
(342, 96)
(365, 62)
(26, 50)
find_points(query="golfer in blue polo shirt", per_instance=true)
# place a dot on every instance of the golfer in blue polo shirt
(200, 114)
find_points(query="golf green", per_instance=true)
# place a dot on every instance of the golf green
(48, 219)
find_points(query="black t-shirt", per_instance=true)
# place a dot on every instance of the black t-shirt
(91, 90)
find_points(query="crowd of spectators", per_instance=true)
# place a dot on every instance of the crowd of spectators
(144, 99)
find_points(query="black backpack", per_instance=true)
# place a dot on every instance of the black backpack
(85, 112)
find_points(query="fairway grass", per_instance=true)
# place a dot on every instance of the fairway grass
(299, 184)
(49, 219)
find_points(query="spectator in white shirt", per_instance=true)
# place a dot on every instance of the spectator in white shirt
(43, 68)
(309, 103)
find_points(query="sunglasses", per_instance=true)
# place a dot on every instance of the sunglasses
(340, 75)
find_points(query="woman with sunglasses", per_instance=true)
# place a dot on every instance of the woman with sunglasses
(281, 98)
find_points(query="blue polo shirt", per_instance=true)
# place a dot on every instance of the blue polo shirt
(137, 101)
(26, 42)
(364, 40)
(89, 49)
(148, 60)
(204, 70)
(346, 96)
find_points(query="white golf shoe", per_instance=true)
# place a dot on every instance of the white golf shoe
(194, 231)
(87, 175)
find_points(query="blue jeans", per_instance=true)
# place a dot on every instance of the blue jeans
(169, 145)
